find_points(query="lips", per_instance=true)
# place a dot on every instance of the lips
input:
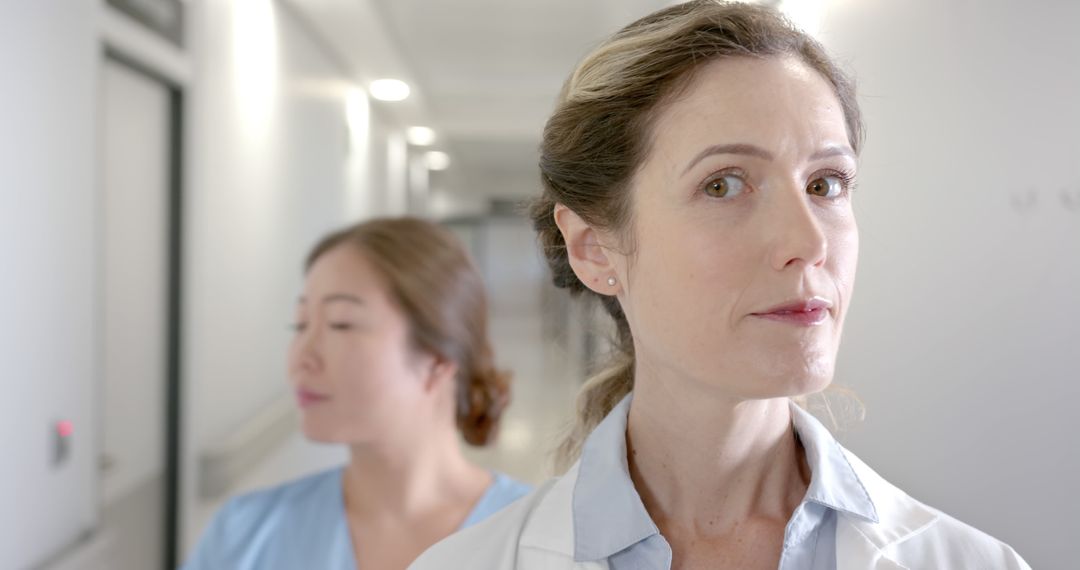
(803, 312)
(306, 398)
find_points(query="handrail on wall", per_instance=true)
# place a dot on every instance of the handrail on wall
(224, 463)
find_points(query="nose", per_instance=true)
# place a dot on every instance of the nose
(799, 236)
(303, 353)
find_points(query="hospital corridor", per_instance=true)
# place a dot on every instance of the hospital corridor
(178, 178)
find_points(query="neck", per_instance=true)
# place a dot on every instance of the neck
(702, 459)
(405, 481)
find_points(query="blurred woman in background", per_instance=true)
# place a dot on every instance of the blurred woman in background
(391, 357)
(697, 175)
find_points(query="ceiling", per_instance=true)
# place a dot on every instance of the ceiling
(486, 72)
(492, 68)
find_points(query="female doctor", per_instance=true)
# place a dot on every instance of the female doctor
(391, 357)
(697, 174)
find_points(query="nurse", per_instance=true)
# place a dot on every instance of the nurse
(697, 176)
(391, 357)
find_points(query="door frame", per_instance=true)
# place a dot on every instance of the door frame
(173, 404)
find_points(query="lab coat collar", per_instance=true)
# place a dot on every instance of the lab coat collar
(900, 517)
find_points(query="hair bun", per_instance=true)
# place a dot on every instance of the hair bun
(482, 402)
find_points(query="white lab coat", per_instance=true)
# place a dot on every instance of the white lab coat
(536, 533)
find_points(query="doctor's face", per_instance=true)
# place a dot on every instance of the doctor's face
(357, 378)
(744, 241)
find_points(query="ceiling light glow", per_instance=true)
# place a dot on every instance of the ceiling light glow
(437, 160)
(420, 136)
(389, 89)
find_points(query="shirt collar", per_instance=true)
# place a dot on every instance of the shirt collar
(608, 513)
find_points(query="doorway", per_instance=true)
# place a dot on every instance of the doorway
(140, 212)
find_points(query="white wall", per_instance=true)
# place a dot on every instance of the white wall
(47, 249)
(966, 320)
(274, 165)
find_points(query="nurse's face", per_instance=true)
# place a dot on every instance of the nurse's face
(357, 378)
(746, 244)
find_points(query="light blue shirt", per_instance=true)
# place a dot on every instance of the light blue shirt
(302, 524)
(611, 523)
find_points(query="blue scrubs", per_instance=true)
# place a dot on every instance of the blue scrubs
(302, 524)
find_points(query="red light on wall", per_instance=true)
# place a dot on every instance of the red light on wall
(65, 428)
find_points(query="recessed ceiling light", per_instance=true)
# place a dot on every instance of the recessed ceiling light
(389, 89)
(437, 160)
(420, 136)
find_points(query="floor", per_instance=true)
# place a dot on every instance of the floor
(130, 536)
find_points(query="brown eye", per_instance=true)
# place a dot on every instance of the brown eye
(826, 187)
(725, 186)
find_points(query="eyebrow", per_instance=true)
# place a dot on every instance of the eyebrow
(756, 151)
(833, 151)
(335, 297)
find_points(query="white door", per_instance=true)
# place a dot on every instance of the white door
(135, 199)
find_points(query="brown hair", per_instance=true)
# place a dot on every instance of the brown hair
(437, 287)
(600, 133)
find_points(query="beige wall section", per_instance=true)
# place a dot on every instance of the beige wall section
(963, 333)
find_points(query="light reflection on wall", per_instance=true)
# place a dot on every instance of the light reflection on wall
(397, 156)
(255, 63)
(359, 200)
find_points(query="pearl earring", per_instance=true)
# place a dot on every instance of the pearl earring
(611, 281)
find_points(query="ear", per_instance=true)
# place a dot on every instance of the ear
(440, 372)
(590, 258)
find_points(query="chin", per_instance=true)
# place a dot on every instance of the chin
(808, 386)
(790, 382)
(317, 436)
(334, 431)
(803, 374)
(784, 388)
(320, 432)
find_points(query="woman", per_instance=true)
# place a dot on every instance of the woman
(697, 176)
(391, 357)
